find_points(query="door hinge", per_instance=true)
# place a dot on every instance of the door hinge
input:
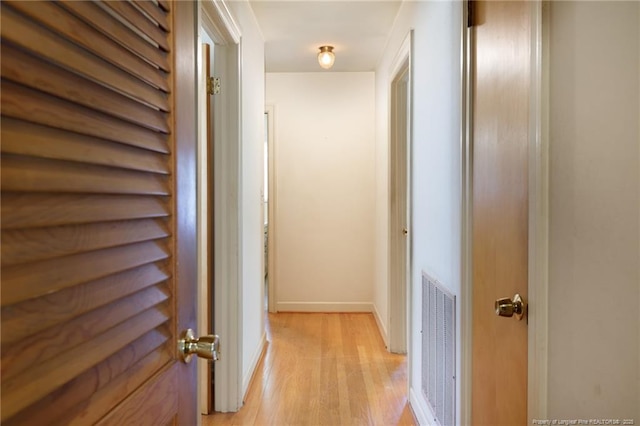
(213, 85)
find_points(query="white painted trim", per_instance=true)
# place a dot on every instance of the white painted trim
(398, 293)
(466, 231)
(381, 327)
(255, 360)
(538, 291)
(325, 307)
(404, 53)
(216, 19)
(272, 273)
(421, 409)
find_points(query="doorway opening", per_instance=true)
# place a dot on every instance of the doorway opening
(399, 199)
(218, 310)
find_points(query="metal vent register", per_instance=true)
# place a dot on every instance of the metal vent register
(438, 350)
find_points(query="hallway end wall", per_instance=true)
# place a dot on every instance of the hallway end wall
(324, 189)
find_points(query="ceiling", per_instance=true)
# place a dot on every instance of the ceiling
(294, 30)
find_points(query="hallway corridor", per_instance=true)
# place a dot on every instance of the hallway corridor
(324, 369)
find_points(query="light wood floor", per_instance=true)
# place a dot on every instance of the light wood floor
(324, 369)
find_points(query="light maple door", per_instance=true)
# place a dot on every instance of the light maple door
(501, 36)
(98, 212)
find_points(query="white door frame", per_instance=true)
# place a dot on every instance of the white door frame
(538, 218)
(272, 278)
(398, 293)
(215, 18)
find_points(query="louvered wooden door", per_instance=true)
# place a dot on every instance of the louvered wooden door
(98, 206)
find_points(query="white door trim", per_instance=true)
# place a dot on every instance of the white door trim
(216, 19)
(398, 293)
(466, 231)
(538, 220)
(538, 217)
(272, 278)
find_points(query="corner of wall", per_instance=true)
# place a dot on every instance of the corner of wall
(381, 325)
(250, 373)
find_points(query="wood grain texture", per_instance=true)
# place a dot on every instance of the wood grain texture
(49, 15)
(27, 317)
(185, 205)
(23, 390)
(154, 12)
(23, 138)
(35, 210)
(17, 30)
(138, 20)
(39, 347)
(62, 176)
(29, 245)
(102, 402)
(117, 31)
(31, 280)
(500, 204)
(140, 409)
(69, 402)
(209, 291)
(25, 69)
(40, 108)
(324, 369)
(165, 5)
(90, 312)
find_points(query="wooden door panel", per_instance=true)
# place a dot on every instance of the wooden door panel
(97, 244)
(501, 84)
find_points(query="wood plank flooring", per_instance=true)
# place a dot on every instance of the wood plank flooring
(324, 369)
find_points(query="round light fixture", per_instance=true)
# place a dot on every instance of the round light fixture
(326, 57)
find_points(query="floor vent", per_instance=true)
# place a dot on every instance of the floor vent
(438, 350)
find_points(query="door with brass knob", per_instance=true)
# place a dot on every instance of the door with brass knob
(207, 347)
(499, 97)
(506, 307)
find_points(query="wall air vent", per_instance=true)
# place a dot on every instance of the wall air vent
(438, 350)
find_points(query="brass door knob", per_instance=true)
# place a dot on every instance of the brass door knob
(506, 307)
(207, 347)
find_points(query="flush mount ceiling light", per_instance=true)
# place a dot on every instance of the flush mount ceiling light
(326, 57)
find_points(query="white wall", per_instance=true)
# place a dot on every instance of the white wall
(324, 189)
(251, 158)
(594, 275)
(435, 162)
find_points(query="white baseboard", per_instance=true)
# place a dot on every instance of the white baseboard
(421, 409)
(325, 307)
(381, 327)
(255, 359)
